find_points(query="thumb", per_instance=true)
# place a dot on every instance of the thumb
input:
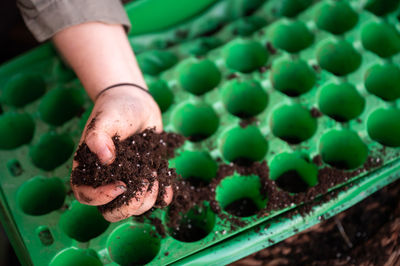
(102, 145)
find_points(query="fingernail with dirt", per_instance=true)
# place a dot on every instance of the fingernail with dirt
(106, 155)
(118, 190)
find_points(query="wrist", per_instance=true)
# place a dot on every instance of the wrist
(125, 88)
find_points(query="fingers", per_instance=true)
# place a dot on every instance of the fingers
(100, 195)
(140, 203)
(101, 144)
(168, 195)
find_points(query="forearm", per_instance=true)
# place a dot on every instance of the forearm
(100, 55)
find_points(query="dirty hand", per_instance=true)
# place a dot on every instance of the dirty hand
(121, 111)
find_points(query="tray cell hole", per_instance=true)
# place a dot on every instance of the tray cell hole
(241, 195)
(291, 8)
(133, 244)
(381, 7)
(291, 36)
(51, 151)
(201, 46)
(82, 222)
(45, 236)
(336, 18)
(14, 167)
(248, 25)
(162, 94)
(244, 98)
(41, 195)
(338, 57)
(293, 172)
(381, 38)
(16, 129)
(194, 225)
(197, 167)
(343, 149)
(156, 61)
(244, 146)
(341, 102)
(199, 77)
(75, 256)
(61, 104)
(383, 81)
(292, 77)
(23, 89)
(196, 121)
(246, 56)
(383, 126)
(293, 123)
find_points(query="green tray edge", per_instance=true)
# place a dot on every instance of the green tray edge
(276, 230)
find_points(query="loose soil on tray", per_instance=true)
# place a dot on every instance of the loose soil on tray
(366, 234)
(145, 156)
(141, 158)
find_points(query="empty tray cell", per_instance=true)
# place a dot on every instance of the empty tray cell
(199, 76)
(383, 126)
(335, 17)
(41, 195)
(194, 225)
(156, 61)
(292, 77)
(293, 123)
(61, 104)
(293, 172)
(243, 145)
(341, 102)
(76, 256)
(162, 94)
(241, 195)
(201, 46)
(195, 166)
(381, 7)
(383, 81)
(338, 57)
(343, 149)
(244, 98)
(196, 121)
(51, 151)
(23, 89)
(15, 130)
(291, 36)
(291, 8)
(245, 55)
(380, 38)
(82, 222)
(248, 25)
(133, 244)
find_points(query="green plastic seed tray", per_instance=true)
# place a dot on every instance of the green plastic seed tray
(318, 83)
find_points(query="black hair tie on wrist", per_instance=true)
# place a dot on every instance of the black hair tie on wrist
(122, 84)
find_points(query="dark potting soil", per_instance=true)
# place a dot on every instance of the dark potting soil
(188, 232)
(315, 112)
(139, 158)
(243, 207)
(292, 182)
(366, 234)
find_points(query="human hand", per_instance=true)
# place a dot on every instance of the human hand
(121, 111)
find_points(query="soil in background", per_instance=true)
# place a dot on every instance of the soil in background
(366, 234)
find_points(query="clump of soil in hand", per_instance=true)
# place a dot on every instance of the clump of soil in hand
(140, 158)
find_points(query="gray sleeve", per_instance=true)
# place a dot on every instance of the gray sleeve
(44, 18)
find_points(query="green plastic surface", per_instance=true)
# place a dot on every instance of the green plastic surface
(208, 68)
